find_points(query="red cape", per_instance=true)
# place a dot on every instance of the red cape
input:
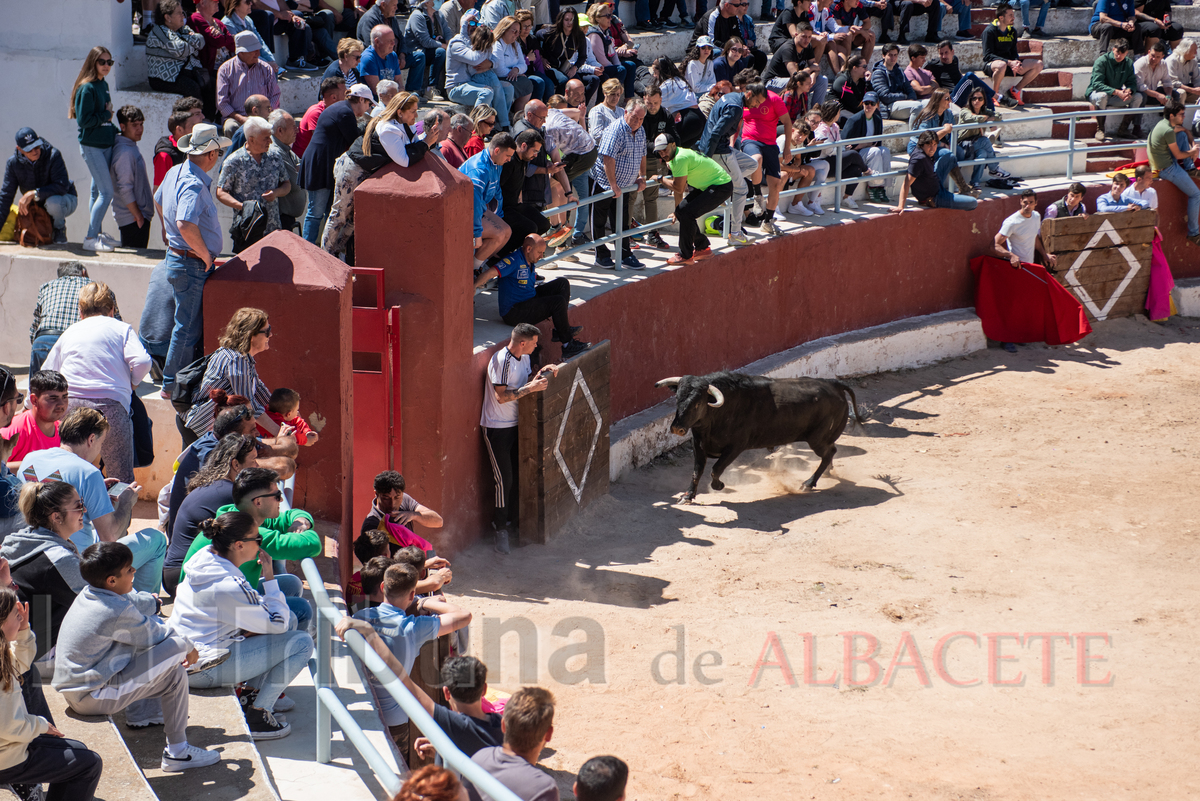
(1025, 305)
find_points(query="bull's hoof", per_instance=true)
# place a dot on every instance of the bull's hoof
(689, 498)
(718, 484)
(808, 486)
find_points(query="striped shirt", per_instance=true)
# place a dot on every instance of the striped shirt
(57, 306)
(504, 370)
(235, 373)
(236, 82)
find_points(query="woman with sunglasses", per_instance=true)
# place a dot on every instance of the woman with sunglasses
(974, 143)
(604, 47)
(484, 120)
(91, 107)
(345, 66)
(231, 368)
(217, 609)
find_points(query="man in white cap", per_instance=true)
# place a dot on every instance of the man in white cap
(710, 187)
(242, 76)
(193, 236)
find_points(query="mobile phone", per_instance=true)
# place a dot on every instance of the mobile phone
(115, 490)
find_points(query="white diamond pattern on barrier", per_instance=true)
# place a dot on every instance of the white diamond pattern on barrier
(577, 487)
(1072, 278)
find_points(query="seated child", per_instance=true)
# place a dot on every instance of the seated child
(434, 572)
(367, 546)
(370, 591)
(404, 635)
(32, 750)
(464, 682)
(284, 407)
(111, 656)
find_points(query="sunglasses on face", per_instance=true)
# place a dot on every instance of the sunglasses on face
(19, 398)
(104, 62)
(488, 123)
(869, 103)
(277, 495)
(266, 331)
(76, 507)
(257, 539)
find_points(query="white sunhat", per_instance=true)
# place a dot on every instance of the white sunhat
(203, 139)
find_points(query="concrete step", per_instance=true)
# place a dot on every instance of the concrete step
(121, 779)
(215, 720)
(1106, 164)
(1042, 95)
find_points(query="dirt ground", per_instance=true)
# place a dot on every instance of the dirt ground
(1048, 491)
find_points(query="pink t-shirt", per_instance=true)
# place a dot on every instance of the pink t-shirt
(31, 439)
(759, 123)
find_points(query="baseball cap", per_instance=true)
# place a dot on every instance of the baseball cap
(871, 97)
(662, 140)
(361, 90)
(27, 139)
(247, 42)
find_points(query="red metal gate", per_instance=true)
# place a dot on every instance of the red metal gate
(376, 360)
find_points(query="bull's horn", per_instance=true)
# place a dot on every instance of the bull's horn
(718, 398)
(671, 382)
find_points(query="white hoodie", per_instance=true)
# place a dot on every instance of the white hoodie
(215, 604)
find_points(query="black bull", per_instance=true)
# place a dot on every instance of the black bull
(728, 413)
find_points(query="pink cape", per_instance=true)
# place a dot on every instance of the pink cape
(1158, 297)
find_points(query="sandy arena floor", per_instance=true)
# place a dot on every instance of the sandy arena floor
(1050, 491)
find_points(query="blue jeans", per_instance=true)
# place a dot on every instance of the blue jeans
(951, 200)
(979, 148)
(40, 350)
(472, 94)
(542, 87)
(315, 214)
(623, 75)
(641, 11)
(149, 548)
(60, 207)
(187, 276)
(268, 662)
(1025, 14)
(943, 162)
(505, 96)
(415, 62)
(436, 59)
(581, 187)
(963, 10)
(99, 163)
(1176, 175)
(292, 588)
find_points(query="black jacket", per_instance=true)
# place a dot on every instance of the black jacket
(858, 125)
(848, 93)
(718, 27)
(48, 175)
(337, 128)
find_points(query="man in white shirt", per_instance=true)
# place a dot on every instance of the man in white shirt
(1140, 190)
(507, 382)
(1020, 240)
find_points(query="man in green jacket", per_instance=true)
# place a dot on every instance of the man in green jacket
(286, 535)
(1114, 84)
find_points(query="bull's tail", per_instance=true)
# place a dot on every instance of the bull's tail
(855, 415)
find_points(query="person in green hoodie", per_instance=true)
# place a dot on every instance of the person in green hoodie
(287, 534)
(1114, 83)
(92, 108)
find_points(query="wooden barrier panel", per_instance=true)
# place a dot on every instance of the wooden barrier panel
(564, 444)
(1104, 260)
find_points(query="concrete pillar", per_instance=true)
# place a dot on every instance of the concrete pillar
(306, 293)
(415, 224)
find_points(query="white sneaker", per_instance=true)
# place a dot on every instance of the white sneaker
(801, 209)
(116, 243)
(97, 245)
(738, 238)
(284, 704)
(193, 757)
(849, 203)
(815, 206)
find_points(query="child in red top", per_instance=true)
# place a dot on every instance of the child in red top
(285, 408)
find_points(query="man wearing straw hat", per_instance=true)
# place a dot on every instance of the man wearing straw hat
(193, 236)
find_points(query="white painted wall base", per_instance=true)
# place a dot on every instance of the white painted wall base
(1187, 297)
(914, 342)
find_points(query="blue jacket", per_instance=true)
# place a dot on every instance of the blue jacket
(48, 175)
(485, 177)
(1120, 10)
(891, 85)
(723, 120)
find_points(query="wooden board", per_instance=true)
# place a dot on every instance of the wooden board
(550, 496)
(1059, 233)
(1104, 260)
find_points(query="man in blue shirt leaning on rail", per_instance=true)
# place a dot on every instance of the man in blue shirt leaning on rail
(523, 301)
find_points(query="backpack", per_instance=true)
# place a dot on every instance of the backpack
(34, 227)
(249, 225)
(187, 384)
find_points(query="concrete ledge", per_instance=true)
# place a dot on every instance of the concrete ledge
(1187, 297)
(914, 342)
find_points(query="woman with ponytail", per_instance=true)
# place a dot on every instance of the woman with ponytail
(216, 608)
(32, 751)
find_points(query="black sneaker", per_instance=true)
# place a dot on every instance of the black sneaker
(263, 725)
(575, 329)
(965, 33)
(578, 240)
(574, 348)
(655, 241)
(28, 792)
(60, 236)
(605, 261)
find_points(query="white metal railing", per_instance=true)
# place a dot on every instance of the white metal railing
(1070, 117)
(330, 707)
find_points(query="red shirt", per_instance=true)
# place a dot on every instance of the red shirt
(297, 422)
(454, 155)
(31, 437)
(308, 125)
(162, 164)
(474, 145)
(759, 123)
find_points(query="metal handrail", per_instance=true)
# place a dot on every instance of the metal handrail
(838, 183)
(330, 706)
